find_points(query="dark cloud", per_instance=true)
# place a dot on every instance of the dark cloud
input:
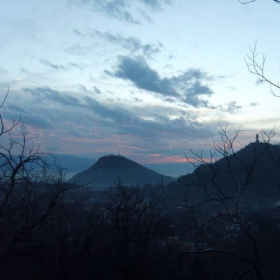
(54, 66)
(145, 16)
(78, 120)
(77, 32)
(131, 43)
(25, 71)
(36, 120)
(79, 49)
(254, 104)
(17, 109)
(137, 99)
(97, 90)
(158, 129)
(76, 65)
(163, 128)
(231, 107)
(260, 81)
(170, 99)
(187, 86)
(155, 4)
(142, 76)
(118, 9)
(108, 117)
(115, 114)
(121, 9)
(47, 95)
(83, 88)
(44, 94)
(194, 92)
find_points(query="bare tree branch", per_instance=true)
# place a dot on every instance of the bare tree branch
(31, 190)
(251, 1)
(256, 66)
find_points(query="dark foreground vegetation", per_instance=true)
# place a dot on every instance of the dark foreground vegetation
(220, 222)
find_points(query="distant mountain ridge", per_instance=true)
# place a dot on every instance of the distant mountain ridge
(108, 170)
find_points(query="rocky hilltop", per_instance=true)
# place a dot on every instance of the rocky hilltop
(254, 169)
(109, 170)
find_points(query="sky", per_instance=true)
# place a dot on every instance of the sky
(147, 79)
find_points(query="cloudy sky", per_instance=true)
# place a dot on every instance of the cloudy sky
(150, 79)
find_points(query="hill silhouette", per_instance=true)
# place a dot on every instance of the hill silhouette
(255, 170)
(108, 170)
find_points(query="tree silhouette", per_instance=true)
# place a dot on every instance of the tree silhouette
(217, 198)
(31, 195)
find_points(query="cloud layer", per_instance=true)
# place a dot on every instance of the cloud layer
(147, 77)
(130, 43)
(121, 9)
(70, 118)
(188, 87)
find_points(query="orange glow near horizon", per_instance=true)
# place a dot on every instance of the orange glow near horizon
(158, 158)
